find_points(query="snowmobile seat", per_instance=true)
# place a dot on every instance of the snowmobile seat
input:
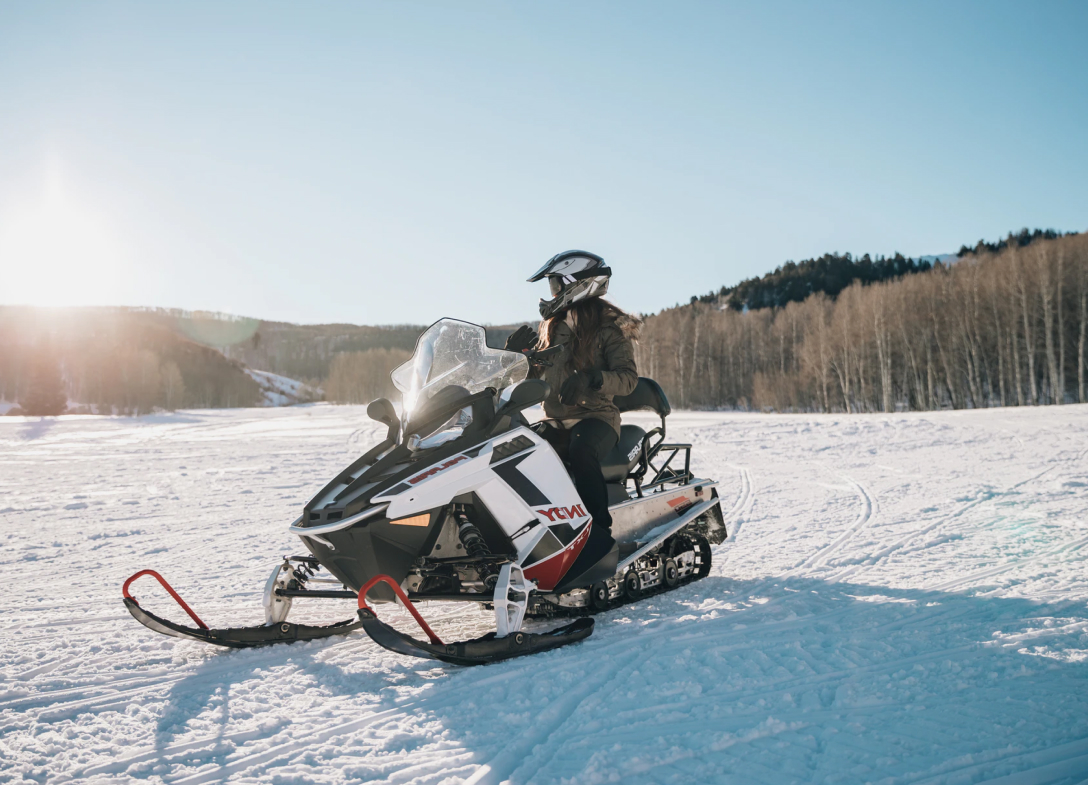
(623, 458)
(629, 450)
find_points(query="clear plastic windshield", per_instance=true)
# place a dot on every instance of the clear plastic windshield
(453, 359)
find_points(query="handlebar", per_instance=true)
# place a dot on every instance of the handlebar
(543, 357)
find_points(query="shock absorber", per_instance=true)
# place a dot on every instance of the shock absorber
(471, 537)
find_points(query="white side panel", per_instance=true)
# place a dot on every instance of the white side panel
(460, 474)
(546, 471)
(433, 492)
(506, 506)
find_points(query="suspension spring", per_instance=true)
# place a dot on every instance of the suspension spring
(471, 537)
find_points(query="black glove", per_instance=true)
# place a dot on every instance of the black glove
(522, 339)
(574, 389)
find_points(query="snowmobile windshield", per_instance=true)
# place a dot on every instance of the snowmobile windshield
(452, 361)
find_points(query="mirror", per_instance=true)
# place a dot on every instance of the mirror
(382, 410)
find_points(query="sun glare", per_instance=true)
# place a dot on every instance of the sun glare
(56, 249)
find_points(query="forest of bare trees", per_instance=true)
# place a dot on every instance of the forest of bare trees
(136, 360)
(111, 361)
(361, 377)
(1004, 325)
(992, 329)
(306, 352)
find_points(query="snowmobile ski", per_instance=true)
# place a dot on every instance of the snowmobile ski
(252, 636)
(474, 652)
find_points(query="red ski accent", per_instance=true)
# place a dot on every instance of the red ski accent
(403, 599)
(165, 586)
(677, 501)
(548, 572)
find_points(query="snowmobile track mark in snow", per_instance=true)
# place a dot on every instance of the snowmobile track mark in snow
(745, 500)
(986, 495)
(865, 517)
(552, 721)
(238, 765)
(997, 570)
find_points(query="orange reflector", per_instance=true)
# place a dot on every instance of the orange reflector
(422, 520)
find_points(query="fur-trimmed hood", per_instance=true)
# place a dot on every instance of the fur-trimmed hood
(628, 324)
(611, 353)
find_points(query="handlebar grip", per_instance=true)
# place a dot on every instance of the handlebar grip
(545, 354)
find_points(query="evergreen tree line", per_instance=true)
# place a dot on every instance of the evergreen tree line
(794, 282)
(830, 274)
(1004, 327)
(1020, 239)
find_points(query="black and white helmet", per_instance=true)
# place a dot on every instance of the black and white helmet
(573, 276)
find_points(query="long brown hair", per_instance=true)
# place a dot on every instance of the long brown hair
(587, 318)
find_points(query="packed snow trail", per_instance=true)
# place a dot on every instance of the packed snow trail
(903, 599)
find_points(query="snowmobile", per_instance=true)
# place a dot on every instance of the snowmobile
(464, 501)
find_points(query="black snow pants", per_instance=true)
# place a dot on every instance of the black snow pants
(583, 447)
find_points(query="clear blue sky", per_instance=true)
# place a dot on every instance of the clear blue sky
(398, 161)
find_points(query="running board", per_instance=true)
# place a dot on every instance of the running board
(658, 534)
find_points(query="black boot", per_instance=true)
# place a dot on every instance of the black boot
(596, 562)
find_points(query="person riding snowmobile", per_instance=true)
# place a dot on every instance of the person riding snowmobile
(596, 364)
(461, 470)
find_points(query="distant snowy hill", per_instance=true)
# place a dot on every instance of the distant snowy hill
(280, 391)
(944, 259)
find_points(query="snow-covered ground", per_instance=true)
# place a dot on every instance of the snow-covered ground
(281, 391)
(903, 599)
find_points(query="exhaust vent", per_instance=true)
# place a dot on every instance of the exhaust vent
(508, 449)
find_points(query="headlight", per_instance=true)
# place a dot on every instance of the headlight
(449, 430)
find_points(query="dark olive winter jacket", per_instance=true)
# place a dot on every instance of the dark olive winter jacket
(614, 357)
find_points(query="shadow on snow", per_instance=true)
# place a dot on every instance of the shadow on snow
(720, 681)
